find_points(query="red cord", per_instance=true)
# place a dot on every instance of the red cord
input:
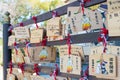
(35, 21)
(21, 24)
(36, 69)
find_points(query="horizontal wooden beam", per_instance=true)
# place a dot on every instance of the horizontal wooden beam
(75, 39)
(94, 2)
(61, 11)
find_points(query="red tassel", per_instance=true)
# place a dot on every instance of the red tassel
(69, 44)
(21, 24)
(44, 41)
(100, 39)
(87, 1)
(34, 18)
(82, 5)
(104, 31)
(35, 21)
(36, 69)
(57, 69)
(69, 49)
(15, 43)
(11, 31)
(21, 66)
(10, 65)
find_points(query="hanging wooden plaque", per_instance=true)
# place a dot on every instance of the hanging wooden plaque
(40, 54)
(11, 40)
(102, 66)
(75, 50)
(113, 23)
(76, 22)
(37, 32)
(113, 5)
(54, 27)
(22, 33)
(70, 65)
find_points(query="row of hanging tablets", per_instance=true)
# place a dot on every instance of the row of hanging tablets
(75, 23)
(100, 65)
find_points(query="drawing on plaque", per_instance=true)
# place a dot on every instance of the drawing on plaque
(43, 54)
(69, 65)
(101, 66)
(85, 23)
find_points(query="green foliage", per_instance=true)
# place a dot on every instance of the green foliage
(24, 9)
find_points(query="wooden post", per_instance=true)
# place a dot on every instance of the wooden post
(6, 51)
